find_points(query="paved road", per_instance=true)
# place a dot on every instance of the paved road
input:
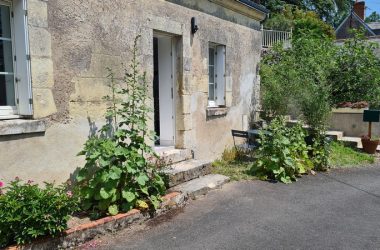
(337, 210)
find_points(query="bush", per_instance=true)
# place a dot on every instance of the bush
(28, 211)
(357, 75)
(117, 175)
(283, 154)
(304, 69)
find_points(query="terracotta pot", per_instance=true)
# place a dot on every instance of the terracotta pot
(370, 146)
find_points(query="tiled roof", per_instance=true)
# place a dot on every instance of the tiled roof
(374, 25)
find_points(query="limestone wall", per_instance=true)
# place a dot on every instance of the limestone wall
(72, 42)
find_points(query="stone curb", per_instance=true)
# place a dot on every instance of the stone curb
(75, 236)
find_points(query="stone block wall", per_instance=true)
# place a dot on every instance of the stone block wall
(73, 42)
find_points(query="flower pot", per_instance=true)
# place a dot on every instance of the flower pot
(370, 146)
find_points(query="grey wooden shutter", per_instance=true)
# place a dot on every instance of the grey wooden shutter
(221, 75)
(22, 72)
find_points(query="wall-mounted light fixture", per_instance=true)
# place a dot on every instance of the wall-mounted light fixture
(194, 25)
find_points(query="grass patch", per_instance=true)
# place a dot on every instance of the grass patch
(342, 156)
(236, 170)
(233, 164)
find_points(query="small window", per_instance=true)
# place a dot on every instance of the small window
(216, 75)
(15, 85)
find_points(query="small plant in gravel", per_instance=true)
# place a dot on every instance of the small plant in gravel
(117, 175)
(28, 211)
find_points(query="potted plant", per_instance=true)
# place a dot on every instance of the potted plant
(369, 144)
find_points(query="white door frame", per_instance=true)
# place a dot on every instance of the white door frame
(167, 129)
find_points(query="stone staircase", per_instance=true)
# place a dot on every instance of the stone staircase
(191, 177)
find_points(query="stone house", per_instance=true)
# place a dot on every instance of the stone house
(355, 20)
(54, 55)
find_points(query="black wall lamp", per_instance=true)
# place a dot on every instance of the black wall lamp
(194, 25)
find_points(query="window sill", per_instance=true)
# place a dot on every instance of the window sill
(20, 126)
(216, 111)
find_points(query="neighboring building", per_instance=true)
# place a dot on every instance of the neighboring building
(355, 20)
(53, 63)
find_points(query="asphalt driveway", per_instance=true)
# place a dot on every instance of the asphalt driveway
(335, 210)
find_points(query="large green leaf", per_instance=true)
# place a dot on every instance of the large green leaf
(106, 193)
(113, 210)
(129, 196)
(115, 173)
(142, 179)
(82, 174)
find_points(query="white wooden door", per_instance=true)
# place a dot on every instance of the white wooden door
(166, 91)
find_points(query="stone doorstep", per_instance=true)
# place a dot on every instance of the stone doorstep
(187, 170)
(171, 155)
(75, 236)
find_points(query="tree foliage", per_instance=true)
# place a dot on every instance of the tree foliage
(303, 22)
(357, 75)
(327, 10)
(373, 17)
(295, 80)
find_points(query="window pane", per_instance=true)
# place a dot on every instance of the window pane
(211, 74)
(6, 60)
(7, 91)
(211, 54)
(5, 27)
(211, 95)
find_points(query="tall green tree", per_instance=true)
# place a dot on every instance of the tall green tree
(327, 10)
(374, 17)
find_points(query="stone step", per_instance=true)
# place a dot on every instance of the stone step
(353, 142)
(171, 156)
(335, 135)
(186, 170)
(201, 185)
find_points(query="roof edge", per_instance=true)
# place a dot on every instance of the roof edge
(254, 5)
(353, 14)
(244, 7)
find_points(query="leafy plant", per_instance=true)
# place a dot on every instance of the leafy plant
(304, 69)
(357, 75)
(283, 154)
(28, 211)
(320, 150)
(117, 175)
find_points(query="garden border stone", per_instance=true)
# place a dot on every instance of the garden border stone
(80, 234)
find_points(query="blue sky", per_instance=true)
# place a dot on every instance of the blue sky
(372, 5)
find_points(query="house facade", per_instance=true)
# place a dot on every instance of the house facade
(201, 61)
(355, 20)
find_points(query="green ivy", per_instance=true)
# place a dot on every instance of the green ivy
(117, 175)
(28, 211)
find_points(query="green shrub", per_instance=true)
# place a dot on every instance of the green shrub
(117, 175)
(283, 154)
(28, 211)
(357, 75)
(320, 150)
